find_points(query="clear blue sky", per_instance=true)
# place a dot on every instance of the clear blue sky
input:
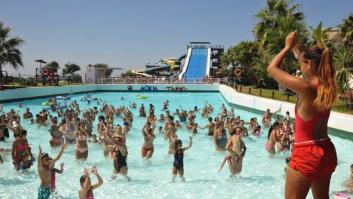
(132, 33)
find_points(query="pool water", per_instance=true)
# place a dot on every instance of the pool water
(262, 176)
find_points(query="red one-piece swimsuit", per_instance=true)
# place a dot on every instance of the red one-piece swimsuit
(314, 158)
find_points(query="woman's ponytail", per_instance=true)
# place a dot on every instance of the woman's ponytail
(327, 91)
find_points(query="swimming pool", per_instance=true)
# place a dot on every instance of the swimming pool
(261, 177)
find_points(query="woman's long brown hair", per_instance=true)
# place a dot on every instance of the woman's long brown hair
(327, 90)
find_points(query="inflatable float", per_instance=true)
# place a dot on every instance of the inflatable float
(141, 97)
(45, 104)
(88, 99)
(60, 97)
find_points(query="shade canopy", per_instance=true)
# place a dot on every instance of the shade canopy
(40, 61)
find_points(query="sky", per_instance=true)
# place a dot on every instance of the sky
(131, 33)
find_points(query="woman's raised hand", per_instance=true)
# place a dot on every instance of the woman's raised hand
(291, 40)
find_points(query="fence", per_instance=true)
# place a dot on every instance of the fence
(273, 94)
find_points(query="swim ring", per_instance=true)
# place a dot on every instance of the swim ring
(141, 97)
(45, 104)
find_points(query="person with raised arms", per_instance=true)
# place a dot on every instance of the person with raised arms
(86, 191)
(178, 164)
(314, 156)
(45, 164)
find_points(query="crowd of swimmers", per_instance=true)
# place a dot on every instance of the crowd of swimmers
(74, 126)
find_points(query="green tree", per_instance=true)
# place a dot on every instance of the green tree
(70, 69)
(275, 22)
(320, 35)
(242, 55)
(276, 15)
(343, 60)
(262, 79)
(9, 49)
(346, 30)
(52, 65)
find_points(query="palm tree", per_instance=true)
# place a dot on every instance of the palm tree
(9, 52)
(346, 30)
(343, 59)
(270, 17)
(320, 35)
(70, 69)
(275, 22)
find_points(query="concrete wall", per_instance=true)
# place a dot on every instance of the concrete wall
(37, 92)
(338, 121)
(26, 93)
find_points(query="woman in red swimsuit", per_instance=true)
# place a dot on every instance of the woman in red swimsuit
(314, 156)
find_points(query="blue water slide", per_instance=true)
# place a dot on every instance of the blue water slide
(197, 64)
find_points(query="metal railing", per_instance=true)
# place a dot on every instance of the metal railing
(137, 80)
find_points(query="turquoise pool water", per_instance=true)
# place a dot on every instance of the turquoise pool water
(261, 177)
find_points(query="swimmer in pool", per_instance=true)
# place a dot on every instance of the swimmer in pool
(166, 105)
(86, 191)
(178, 164)
(120, 153)
(220, 137)
(81, 149)
(210, 126)
(236, 148)
(147, 147)
(272, 139)
(45, 163)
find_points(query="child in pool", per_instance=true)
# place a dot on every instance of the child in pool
(178, 164)
(94, 138)
(257, 131)
(194, 129)
(3, 150)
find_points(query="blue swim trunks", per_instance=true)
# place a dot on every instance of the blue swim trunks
(43, 192)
